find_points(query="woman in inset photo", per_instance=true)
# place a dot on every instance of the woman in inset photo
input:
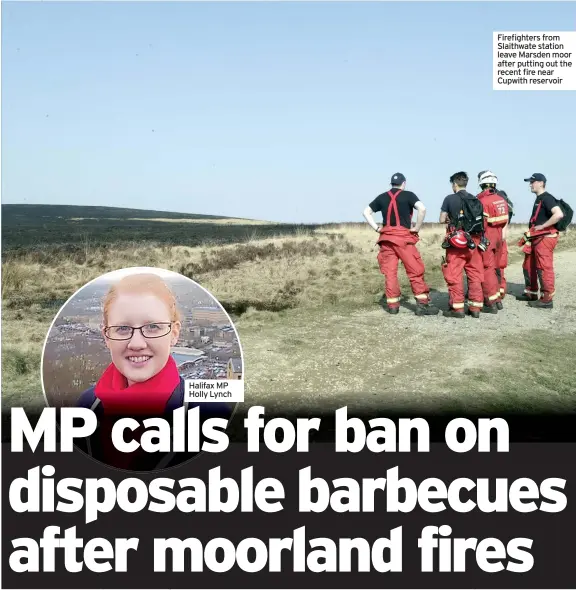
(141, 323)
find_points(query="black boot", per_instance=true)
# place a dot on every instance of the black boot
(526, 297)
(473, 313)
(541, 304)
(393, 310)
(490, 309)
(453, 314)
(500, 305)
(426, 309)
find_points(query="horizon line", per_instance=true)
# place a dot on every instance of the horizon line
(216, 216)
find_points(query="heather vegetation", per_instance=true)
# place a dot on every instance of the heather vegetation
(304, 300)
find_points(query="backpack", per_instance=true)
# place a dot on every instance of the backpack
(563, 224)
(472, 216)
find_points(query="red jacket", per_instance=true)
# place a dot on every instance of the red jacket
(496, 214)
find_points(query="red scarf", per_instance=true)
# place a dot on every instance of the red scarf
(148, 398)
(118, 398)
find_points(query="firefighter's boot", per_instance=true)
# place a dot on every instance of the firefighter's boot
(426, 309)
(453, 314)
(541, 304)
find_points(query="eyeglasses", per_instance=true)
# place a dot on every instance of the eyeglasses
(156, 330)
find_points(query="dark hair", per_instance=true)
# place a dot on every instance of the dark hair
(396, 185)
(487, 185)
(460, 179)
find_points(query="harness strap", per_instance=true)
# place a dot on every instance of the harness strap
(393, 206)
(535, 216)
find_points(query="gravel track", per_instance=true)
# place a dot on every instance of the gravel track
(370, 357)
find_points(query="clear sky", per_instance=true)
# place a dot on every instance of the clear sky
(295, 112)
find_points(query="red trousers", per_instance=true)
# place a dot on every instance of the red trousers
(538, 267)
(501, 268)
(393, 251)
(469, 261)
(491, 262)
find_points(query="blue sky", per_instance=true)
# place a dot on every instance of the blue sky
(295, 112)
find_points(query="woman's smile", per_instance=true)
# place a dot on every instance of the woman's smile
(139, 361)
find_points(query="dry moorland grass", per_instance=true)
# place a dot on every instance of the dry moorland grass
(336, 265)
(330, 272)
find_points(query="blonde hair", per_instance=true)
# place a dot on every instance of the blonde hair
(142, 284)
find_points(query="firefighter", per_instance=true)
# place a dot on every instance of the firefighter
(397, 241)
(496, 217)
(464, 215)
(538, 244)
(503, 261)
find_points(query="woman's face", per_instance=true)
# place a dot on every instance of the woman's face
(140, 358)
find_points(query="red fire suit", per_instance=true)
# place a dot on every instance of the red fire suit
(469, 261)
(500, 270)
(538, 264)
(398, 243)
(495, 218)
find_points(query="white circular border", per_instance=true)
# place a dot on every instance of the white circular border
(117, 275)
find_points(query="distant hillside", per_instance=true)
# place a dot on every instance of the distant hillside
(76, 227)
(71, 229)
(25, 213)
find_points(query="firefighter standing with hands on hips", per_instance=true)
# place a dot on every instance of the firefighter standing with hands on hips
(397, 241)
(538, 244)
(496, 217)
(464, 214)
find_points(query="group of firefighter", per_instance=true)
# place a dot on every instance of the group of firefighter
(475, 244)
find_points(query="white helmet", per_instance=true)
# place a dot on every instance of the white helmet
(487, 177)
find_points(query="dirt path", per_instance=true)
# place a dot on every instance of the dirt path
(370, 357)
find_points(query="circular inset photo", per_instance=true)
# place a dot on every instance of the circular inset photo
(144, 343)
